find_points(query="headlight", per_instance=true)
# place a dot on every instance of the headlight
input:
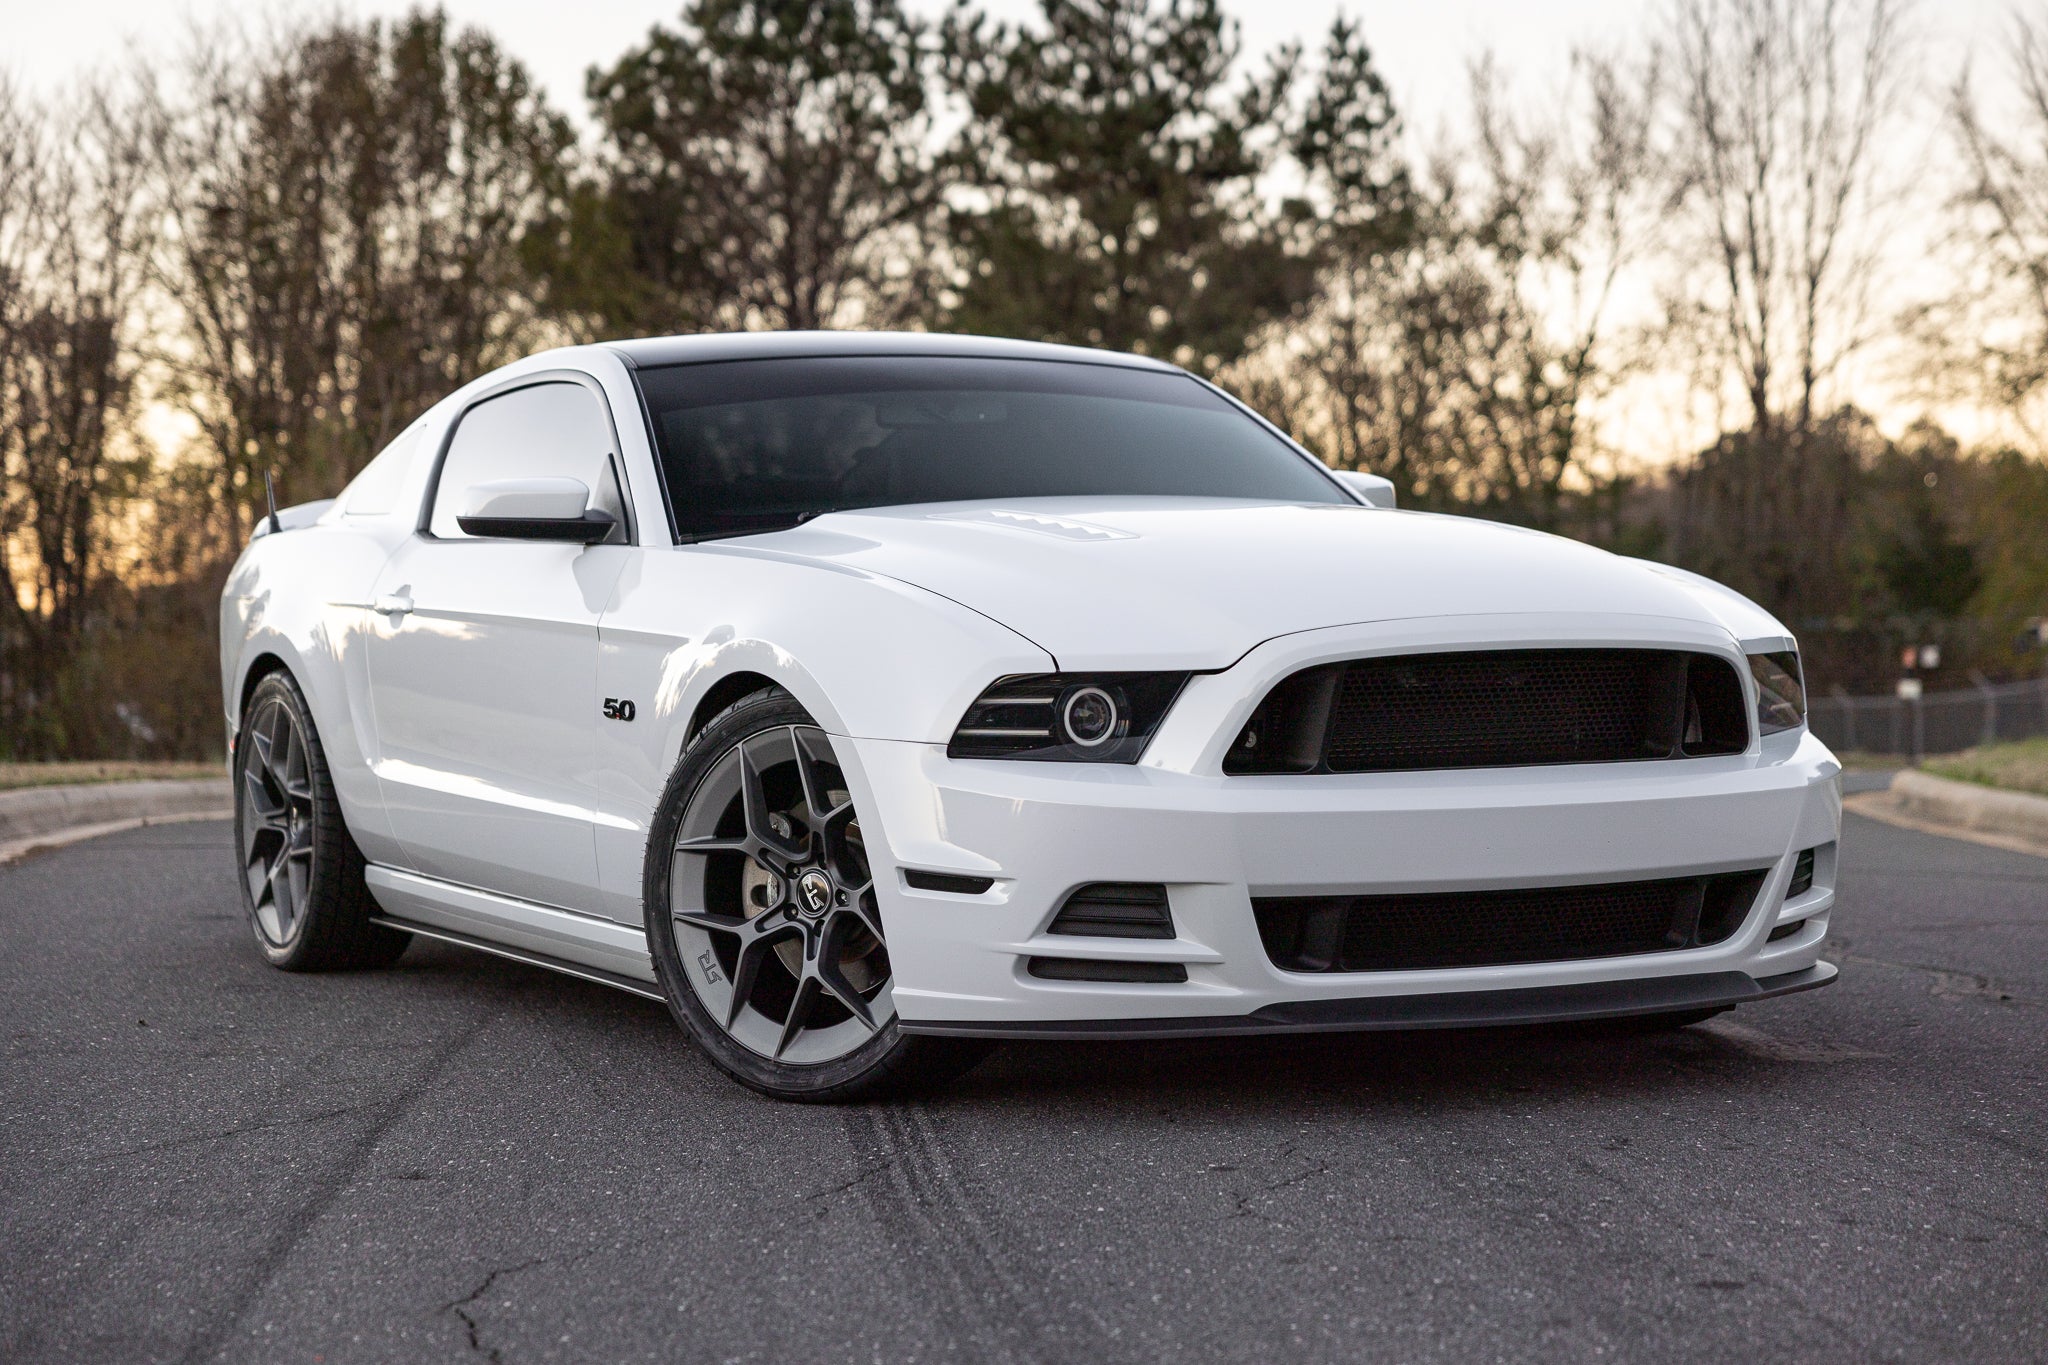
(1066, 717)
(1780, 691)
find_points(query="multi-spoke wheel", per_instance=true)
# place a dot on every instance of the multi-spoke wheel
(762, 914)
(302, 876)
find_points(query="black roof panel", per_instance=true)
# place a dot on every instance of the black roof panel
(687, 350)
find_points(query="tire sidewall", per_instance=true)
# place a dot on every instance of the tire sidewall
(867, 1064)
(277, 687)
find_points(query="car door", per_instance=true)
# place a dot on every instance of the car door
(483, 663)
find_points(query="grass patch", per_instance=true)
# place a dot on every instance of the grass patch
(2018, 767)
(14, 776)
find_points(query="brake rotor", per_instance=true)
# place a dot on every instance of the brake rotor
(762, 890)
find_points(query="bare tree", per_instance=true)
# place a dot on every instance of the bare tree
(349, 206)
(1781, 106)
(1558, 208)
(1994, 331)
(1784, 108)
(74, 240)
(1462, 357)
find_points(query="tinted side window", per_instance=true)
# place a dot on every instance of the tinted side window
(554, 430)
(374, 492)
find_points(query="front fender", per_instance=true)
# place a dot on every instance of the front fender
(867, 656)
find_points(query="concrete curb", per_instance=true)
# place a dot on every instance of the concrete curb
(1988, 810)
(1961, 810)
(45, 817)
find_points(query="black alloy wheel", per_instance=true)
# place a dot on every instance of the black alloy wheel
(762, 916)
(301, 872)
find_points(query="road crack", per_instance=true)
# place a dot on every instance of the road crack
(460, 1307)
(1951, 984)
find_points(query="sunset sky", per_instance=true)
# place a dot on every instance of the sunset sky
(1423, 50)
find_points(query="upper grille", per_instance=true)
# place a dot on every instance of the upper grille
(1498, 928)
(1495, 709)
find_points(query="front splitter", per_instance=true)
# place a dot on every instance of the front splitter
(1462, 1009)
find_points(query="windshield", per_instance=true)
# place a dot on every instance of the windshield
(756, 445)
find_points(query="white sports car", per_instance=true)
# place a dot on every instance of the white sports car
(870, 697)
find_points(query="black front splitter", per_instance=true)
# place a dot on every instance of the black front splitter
(1461, 1009)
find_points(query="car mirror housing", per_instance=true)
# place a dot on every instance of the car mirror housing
(533, 509)
(1370, 489)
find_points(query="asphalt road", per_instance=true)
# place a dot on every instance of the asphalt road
(203, 1158)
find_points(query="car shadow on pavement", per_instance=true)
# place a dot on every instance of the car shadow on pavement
(1404, 1068)
(1400, 1068)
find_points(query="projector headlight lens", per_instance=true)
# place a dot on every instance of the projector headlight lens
(1089, 715)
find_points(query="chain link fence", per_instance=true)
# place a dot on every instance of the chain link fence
(1936, 723)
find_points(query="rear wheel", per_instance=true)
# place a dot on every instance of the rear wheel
(762, 916)
(302, 874)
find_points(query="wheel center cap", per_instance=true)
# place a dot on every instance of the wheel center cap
(813, 893)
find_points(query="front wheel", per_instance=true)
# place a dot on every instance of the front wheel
(762, 917)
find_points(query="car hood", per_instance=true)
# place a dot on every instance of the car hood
(1195, 583)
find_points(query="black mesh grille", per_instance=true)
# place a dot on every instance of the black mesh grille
(1495, 709)
(1115, 910)
(1496, 928)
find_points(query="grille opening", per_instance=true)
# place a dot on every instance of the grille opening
(1115, 910)
(1084, 969)
(1786, 930)
(1495, 708)
(1432, 930)
(918, 879)
(1285, 735)
(1802, 875)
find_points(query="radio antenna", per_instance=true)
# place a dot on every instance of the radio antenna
(270, 496)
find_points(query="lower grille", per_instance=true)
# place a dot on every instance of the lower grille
(1115, 910)
(1089, 969)
(1500, 928)
(1802, 874)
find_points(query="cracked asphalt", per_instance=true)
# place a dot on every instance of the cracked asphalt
(202, 1158)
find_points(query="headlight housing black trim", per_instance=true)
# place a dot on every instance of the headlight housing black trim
(1027, 716)
(1780, 691)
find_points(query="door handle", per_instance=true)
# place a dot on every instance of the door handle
(392, 604)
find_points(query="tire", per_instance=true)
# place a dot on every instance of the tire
(763, 922)
(301, 872)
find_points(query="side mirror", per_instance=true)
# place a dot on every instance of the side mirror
(533, 509)
(1370, 489)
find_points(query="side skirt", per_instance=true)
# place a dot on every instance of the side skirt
(597, 949)
(531, 959)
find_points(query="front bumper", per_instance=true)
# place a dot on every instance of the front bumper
(1041, 830)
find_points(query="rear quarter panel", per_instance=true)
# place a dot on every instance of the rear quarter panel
(300, 599)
